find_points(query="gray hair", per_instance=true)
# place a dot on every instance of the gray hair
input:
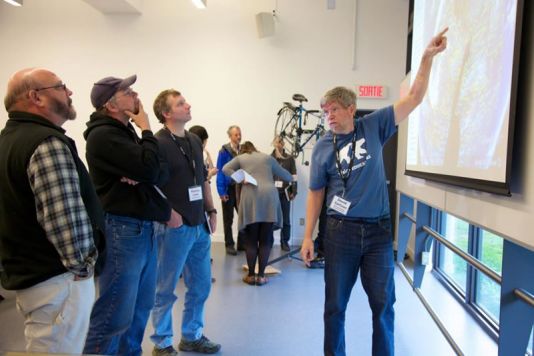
(26, 84)
(231, 128)
(344, 96)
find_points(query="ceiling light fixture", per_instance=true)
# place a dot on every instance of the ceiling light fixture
(200, 4)
(14, 2)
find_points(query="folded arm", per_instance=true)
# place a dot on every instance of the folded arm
(60, 209)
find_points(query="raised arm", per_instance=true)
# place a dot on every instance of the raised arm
(407, 104)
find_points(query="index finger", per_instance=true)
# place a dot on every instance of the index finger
(443, 32)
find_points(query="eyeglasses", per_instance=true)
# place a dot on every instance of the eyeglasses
(57, 86)
(126, 92)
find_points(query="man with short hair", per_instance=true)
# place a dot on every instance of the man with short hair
(50, 216)
(227, 189)
(347, 162)
(125, 170)
(185, 247)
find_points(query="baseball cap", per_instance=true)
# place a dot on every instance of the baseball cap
(105, 88)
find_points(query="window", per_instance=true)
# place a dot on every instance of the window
(457, 231)
(488, 292)
(471, 286)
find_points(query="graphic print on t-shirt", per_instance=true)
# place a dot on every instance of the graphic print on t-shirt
(359, 155)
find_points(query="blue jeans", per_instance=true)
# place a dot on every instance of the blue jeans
(126, 287)
(349, 247)
(186, 249)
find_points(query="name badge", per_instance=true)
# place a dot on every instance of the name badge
(278, 183)
(340, 205)
(195, 193)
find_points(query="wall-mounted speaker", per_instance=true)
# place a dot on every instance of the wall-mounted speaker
(265, 24)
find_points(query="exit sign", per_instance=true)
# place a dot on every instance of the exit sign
(372, 91)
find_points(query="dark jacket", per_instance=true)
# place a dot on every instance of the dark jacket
(115, 151)
(27, 256)
(288, 163)
(226, 153)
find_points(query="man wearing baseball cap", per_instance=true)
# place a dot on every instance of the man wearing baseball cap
(125, 170)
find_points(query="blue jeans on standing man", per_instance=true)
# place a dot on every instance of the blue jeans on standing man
(126, 287)
(349, 247)
(186, 249)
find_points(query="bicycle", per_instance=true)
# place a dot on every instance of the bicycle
(291, 126)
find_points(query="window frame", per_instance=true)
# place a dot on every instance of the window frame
(467, 299)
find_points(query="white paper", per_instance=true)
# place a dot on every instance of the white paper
(241, 175)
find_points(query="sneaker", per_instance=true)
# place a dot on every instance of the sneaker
(317, 262)
(284, 246)
(167, 351)
(230, 250)
(202, 345)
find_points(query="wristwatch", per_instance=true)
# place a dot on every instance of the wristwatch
(214, 211)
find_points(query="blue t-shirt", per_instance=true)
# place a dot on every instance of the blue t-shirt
(366, 187)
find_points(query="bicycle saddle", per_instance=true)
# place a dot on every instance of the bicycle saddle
(300, 98)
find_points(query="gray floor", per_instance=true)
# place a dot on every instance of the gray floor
(284, 317)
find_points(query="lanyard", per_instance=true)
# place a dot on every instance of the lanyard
(345, 176)
(190, 160)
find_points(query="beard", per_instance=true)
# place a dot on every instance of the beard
(65, 110)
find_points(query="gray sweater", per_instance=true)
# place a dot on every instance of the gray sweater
(261, 203)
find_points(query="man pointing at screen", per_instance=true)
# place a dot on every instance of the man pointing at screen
(347, 162)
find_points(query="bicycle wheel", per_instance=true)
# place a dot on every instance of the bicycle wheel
(286, 127)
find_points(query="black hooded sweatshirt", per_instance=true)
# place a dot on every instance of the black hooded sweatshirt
(115, 151)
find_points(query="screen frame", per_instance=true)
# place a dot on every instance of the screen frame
(501, 188)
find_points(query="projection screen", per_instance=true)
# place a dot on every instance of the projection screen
(462, 133)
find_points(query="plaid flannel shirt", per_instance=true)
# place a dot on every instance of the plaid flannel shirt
(60, 209)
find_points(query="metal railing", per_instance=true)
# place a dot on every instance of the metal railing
(464, 255)
(522, 294)
(431, 311)
(427, 306)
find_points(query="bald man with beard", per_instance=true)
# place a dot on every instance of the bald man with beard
(50, 215)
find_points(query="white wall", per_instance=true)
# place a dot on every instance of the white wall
(212, 56)
(510, 217)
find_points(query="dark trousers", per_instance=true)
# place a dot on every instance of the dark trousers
(285, 233)
(321, 232)
(351, 247)
(258, 244)
(228, 208)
